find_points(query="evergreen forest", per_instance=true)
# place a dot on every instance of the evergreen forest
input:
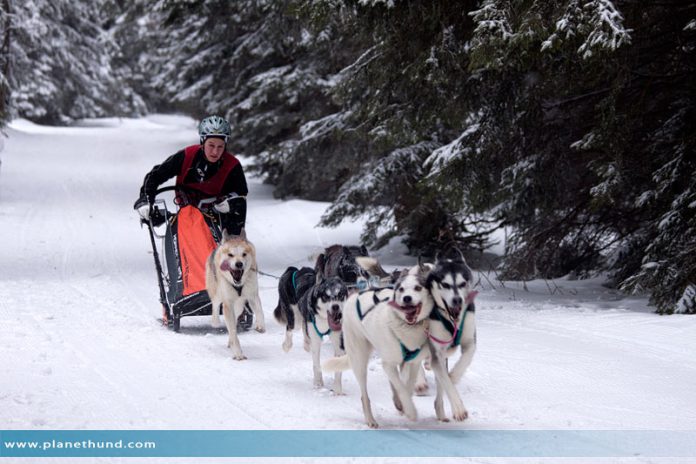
(570, 125)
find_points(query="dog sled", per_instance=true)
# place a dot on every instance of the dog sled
(181, 241)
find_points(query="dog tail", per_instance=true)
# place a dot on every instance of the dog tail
(279, 314)
(341, 363)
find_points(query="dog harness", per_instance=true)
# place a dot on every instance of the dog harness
(294, 284)
(407, 354)
(375, 301)
(316, 329)
(455, 331)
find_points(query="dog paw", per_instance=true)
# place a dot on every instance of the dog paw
(411, 414)
(422, 389)
(338, 392)
(239, 357)
(287, 346)
(443, 419)
(260, 329)
(373, 424)
(461, 415)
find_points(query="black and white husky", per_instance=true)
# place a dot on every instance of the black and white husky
(452, 327)
(392, 322)
(308, 299)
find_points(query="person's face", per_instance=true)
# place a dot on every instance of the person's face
(213, 148)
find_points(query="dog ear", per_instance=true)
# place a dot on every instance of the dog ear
(363, 251)
(451, 253)
(423, 267)
(424, 271)
(242, 234)
(319, 275)
(458, 255)
(225, 235)
(320, 264)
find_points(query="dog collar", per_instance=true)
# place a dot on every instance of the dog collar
(238, 289)
(316, 329)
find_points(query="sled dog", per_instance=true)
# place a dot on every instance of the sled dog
(339, 261)
(452, 325)
(392, 322)
(232, 281)
(305, 297)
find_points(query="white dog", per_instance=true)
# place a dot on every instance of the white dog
(232, 281)
(393, 322)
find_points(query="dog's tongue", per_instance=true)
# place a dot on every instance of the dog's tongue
(454, 311)
(334, 324)
(225, 266)
(411, 312)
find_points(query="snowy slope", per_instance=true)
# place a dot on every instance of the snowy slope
(80, 346)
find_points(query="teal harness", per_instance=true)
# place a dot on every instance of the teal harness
(455, 331)
(314, 322)
(407, 354)
(294, 284)
(316, 329)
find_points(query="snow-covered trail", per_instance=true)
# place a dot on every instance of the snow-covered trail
(80, 347)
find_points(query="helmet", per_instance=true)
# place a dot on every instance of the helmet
(214, 126)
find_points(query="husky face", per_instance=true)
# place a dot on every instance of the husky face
(235, 257)
(330, 295)
(412, 301)
(450, 283)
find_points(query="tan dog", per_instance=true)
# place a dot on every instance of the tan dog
(231, 279)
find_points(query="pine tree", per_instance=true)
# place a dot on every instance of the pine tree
(62, 63)
(600, 178)
(6, 40)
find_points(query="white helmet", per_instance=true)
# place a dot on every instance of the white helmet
(214, 126)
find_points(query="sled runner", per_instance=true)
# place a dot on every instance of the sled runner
(186, 238)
